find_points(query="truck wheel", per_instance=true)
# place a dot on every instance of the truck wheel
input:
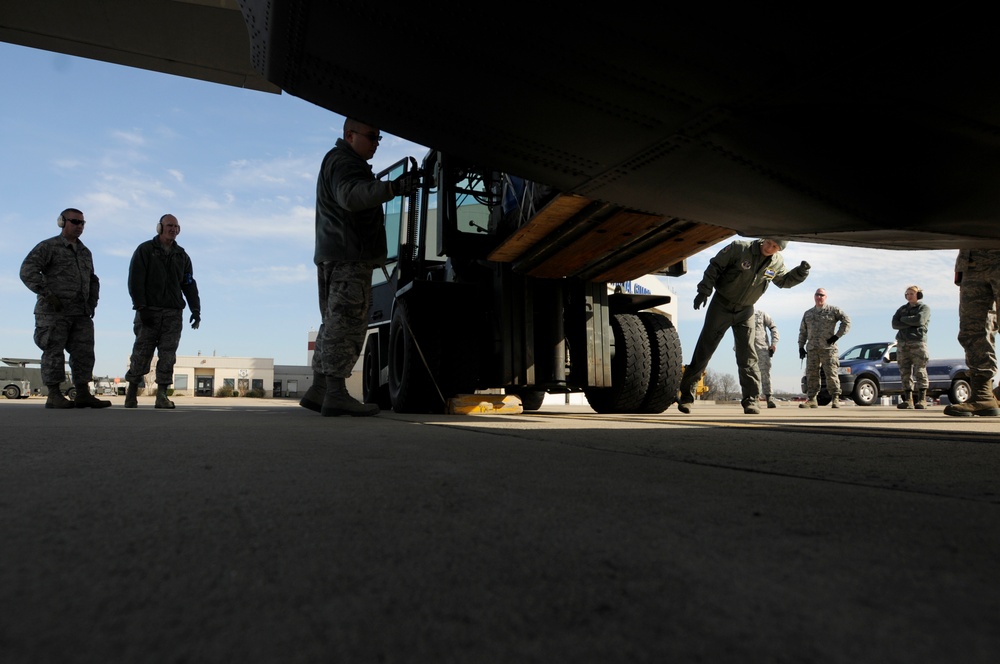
(12, 392)
(630, 363)
(411, 388)
(666, 363)
(960, 391)
(371, 390)
(865, 392)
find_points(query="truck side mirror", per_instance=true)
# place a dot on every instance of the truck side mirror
(891, 357)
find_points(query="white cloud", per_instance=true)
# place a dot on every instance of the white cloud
(133, 137)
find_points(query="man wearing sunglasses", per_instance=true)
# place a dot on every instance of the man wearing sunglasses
(822, 326)
(60, 271)
(350, 243)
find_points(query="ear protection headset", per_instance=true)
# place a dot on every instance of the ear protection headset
(61, 221)
(159, 226)
(920, 293)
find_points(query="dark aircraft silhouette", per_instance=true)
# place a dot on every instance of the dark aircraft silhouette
(863, 128)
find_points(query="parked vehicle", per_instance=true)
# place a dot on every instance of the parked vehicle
(14, 383)
(28, 370)
(869, 371)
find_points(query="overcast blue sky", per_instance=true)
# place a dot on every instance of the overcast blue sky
(238, 169)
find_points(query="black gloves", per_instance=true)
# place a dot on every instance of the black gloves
(406, 184)
(804, 266)
(54, 301)
(832, 340)
(699, 300)
(770, 352)
(802, 352)
(195, 320)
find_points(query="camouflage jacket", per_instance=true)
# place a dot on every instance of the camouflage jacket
(976, 260)
(819, 324)
(66, 270)
(763, 324)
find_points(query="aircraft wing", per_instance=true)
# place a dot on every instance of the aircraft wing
(869, 129)
(201, 39)
(843, 127)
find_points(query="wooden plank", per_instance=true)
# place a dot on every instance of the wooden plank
(676, 249)
(616, 232)
(548, 219)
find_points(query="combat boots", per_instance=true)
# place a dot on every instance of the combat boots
(56, 399)
(809, 403)
(161, 398)
(920, 399)
(770, 401)
(313, 398)
(906, 402)
(983, 402)
(750, 406)
(132, 396)
(337, 401)
(84, 399)
(835, 401)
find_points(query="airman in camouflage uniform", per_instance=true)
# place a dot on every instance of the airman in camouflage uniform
(911, 321)
(764, 325)
(739, 275)
(977, 274)
(160, 278)
(350, 243)
(818, 335)
(60, 271)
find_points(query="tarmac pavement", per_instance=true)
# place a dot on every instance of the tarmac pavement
(249, 530)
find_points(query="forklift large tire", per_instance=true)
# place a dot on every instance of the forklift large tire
(630, 367)
(666, 363)
(411, 388)
(371, 390)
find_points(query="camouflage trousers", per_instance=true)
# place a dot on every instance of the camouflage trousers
(344, 303)
(161, 333)
(827, 360)
(976, 321)
(75, 335)
(764, 364)
(912, 357)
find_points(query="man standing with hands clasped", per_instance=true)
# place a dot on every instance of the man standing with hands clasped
(160, 277)
(818, 335)
(60, 271)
